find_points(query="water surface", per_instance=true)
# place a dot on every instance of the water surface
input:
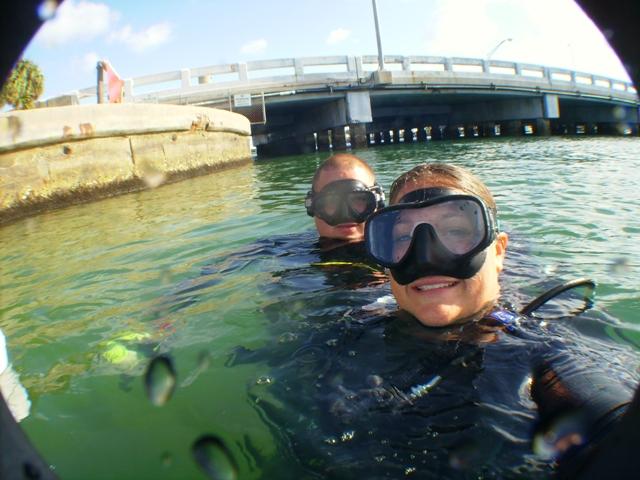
(90, 293)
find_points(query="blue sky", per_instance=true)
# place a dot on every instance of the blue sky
(140, 38)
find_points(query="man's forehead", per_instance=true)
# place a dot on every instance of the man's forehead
(353, 172)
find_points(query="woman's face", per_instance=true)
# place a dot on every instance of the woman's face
(438, 300)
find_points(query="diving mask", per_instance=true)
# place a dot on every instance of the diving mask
(432, 231)
(344, 201)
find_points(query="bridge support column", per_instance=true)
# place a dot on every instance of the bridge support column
(387, 135)
(339, 138)
(309, 143)
(592, 129)
(359, 136)
(408, 134)
(511, 128)
(324, 140)
(488, 129)
(472, 130)
(439, 132)
(282, 146)
(543, 127)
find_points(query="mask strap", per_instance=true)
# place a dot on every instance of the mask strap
(308, 203)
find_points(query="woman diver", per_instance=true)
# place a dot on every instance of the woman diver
(441, 243)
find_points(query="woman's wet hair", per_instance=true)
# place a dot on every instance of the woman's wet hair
(443, 175)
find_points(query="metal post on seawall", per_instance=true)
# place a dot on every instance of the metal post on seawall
(100, 82)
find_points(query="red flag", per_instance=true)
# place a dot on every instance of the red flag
(115, 85)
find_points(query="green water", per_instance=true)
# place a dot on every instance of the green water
(76, 279)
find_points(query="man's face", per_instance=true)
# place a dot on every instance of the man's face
(343, 231)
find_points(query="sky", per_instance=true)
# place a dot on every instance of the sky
(140, 38)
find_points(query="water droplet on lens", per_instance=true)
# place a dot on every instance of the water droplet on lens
(352, 353)
(347, 436)
(332, 342)
(287, 337)
(466, 455)
(620, 265)
(154, 179)
(374, 380)
(409, 470)
(564, 433)
(47, 10)
(264, 380)
(379, 458)
(30, 471)
(166, 459)
(160, 380)
(331, 440)
(214, 458)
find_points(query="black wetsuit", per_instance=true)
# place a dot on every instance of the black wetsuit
(369, 396)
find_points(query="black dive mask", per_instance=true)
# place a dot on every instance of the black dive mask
(432, 231)
(344, 201)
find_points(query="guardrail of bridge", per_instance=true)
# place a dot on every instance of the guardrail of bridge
(284, 76)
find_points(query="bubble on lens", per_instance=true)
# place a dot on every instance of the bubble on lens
(466, 455)
(153, 178)
(347, 436)
(331, 441)
(160, 380)
(264, 380)
(214, 458)
(287, 337)
(166, 459)
(565, 432)
(47, 10)
(409, 470)
(619, 113)
(620, 265)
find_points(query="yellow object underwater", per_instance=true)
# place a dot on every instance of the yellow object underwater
(118, 354)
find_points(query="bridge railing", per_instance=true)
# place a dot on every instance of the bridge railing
(282, 75)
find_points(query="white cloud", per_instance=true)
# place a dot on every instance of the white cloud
(545, 32)
(140, 41)
(89, 61)
(255, 46)
(77, 21)
(337, 36)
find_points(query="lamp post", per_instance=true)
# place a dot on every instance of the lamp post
(375, 18)
(493, 50)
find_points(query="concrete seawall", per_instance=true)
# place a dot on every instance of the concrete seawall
(59, 156)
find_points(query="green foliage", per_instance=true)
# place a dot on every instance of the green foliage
(24, 86)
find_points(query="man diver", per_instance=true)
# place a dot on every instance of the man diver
(343, 194)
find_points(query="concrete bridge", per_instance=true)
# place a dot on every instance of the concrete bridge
(304, 104)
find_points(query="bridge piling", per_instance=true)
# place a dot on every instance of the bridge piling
(324, 140)
(542, 127)
(339, 138)
(358, 134)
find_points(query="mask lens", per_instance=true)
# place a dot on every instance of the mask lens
(328, 204)
(361, 203)
(460, 225)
